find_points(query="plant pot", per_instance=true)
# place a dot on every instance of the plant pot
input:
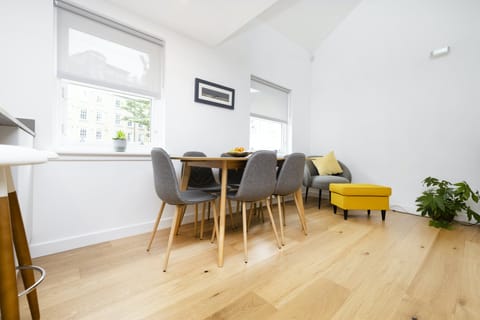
(119, 145)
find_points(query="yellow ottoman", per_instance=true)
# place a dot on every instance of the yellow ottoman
(356, 196)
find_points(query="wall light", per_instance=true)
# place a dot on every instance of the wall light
(440, 52)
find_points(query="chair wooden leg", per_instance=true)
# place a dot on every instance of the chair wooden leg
(250, 215)
(195, 220)
(269, 209)
(280, 216)
(244, 223)
(215, 221)
(231, 214)
(283, 206)
(260, 203)
(155, 226)
(202, 222)
(297, 197)
(179, 222)
(176, 218)
(208, 214)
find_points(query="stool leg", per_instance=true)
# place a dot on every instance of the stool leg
(345, 214)
(8, 282)
(21, 247)
(23, 253)
(383, 214)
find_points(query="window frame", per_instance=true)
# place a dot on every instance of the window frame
(157, 113)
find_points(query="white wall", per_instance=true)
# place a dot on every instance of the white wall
(270, 56)
(389, 111)
(84, 200)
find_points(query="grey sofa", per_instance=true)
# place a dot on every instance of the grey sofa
(311, 178)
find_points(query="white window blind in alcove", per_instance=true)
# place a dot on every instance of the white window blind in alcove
(269, 101)
(93, 49)
(269, 125)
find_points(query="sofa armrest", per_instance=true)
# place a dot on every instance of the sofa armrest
(346, 172)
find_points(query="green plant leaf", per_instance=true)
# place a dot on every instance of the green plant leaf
(443, 200)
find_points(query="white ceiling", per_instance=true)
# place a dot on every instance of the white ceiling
(306, 22)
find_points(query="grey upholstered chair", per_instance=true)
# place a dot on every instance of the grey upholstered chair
(234, 175)
(258, 183)
(166, 186)
(311, 178)
(201, 179)
(289, 180)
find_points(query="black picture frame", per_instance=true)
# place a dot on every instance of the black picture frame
(214, 94)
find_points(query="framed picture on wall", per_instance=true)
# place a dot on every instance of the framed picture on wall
(214, 94)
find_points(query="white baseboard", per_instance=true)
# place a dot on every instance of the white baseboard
(69, 243)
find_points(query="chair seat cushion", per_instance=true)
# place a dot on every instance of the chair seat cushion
(196, 196)
(323, 182)
(210, 188)
(359, 189)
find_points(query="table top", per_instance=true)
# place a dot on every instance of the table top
(15, 155)
(208, 158)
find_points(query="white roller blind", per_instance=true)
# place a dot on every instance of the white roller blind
(95, 50)
(269, 101)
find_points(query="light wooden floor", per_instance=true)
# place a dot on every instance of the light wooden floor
(356, 269)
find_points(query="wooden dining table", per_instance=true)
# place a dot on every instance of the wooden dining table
(225, 163)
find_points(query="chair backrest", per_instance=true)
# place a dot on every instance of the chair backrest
(166, 183)
(258, 180)
(290, 176)
(200, 177)
(234, 175)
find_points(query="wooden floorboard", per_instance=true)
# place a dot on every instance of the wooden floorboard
(362, 268)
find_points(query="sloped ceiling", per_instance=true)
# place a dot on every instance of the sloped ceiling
(209, 21)
(305, 22)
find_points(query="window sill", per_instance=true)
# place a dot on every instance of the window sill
(98, 155)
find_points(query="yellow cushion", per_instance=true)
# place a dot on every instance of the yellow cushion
(360, 189)
(327, 165)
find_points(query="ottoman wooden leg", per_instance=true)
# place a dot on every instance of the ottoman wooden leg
(383, 214)
(319, 197)
(368, 212)
(345, 214)
(334, 209)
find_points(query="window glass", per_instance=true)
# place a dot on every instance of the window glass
(133, 116)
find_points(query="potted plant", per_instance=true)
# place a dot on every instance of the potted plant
(119, 141)
(443, 200)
